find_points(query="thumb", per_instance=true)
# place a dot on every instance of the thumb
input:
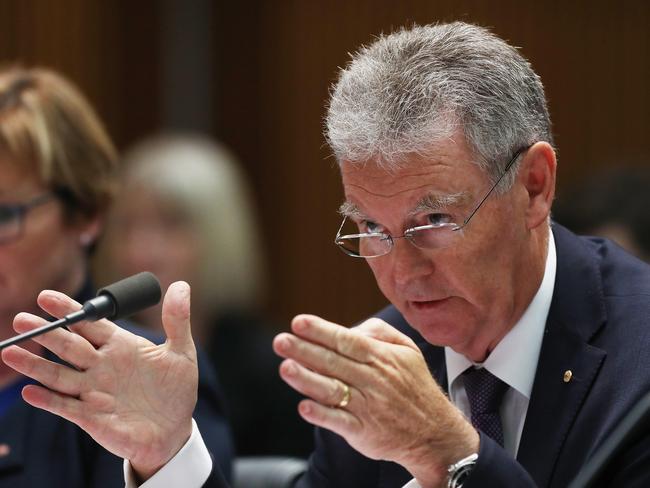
(176, 317)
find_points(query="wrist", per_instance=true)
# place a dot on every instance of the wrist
(156, 455)
(459, 471)
(431, 466)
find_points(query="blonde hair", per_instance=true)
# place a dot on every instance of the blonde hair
(46, 122)
(202, 179)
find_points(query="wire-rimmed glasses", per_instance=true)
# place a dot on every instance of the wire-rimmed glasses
(433, 236)
(12, 217)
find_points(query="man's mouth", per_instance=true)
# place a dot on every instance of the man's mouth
(427, 304)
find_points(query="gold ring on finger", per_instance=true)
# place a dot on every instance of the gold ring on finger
(346, 395)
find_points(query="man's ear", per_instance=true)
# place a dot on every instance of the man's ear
(537, 175)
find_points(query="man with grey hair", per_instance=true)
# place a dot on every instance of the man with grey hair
(512, 348)
(489, 367)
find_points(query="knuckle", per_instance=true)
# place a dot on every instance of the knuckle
(376, 323)
(67, 345)
(348, 423)
(353, 345)
(340, 341)
(332, 362)
(55, 374)
(371, 325)
(333, 395)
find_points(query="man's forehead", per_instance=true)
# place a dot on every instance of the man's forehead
(454, 163)
(382, 183)
(444, 176)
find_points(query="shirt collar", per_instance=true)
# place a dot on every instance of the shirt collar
(514, 359)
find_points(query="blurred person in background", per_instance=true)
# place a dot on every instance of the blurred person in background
(185, 212)
(612, 203)
(58, 175)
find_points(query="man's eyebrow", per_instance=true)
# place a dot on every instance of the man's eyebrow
(349, 209)
(434, 202)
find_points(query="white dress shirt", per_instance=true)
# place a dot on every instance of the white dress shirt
(189, 468)
(513, 361)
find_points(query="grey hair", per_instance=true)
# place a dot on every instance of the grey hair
(417, 87)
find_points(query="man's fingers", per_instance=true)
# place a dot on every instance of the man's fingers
(59, 305)
(380, 330)
(337, 420)
(333, 336)
(64, 406)
(69, 346)
(319, 358)
(55, 376)
(326, 391)
(176, 318)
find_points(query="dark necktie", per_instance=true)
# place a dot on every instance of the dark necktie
(485, 392)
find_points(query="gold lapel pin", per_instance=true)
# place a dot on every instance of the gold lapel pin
(568, 374)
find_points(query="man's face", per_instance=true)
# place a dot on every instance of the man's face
(466, 295)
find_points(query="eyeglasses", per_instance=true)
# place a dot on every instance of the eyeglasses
(434, 236)
(12, 217)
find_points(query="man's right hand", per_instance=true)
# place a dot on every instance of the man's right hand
(133, 397)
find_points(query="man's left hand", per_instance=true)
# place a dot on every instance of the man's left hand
(396, 411)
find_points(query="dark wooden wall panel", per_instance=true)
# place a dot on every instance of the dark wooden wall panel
(109, 48)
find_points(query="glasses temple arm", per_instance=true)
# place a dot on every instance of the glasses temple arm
(503, 173)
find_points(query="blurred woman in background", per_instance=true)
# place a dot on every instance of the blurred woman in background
(185, 212)
(58, 176)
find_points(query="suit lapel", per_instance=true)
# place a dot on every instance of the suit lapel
(554, 403)
(568, 365)
(435, 358)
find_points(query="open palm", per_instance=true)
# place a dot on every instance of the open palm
(133, 397)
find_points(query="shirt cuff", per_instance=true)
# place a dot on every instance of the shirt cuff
(412, 484)
(190, 467)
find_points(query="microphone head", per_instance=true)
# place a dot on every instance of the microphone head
(132, 294)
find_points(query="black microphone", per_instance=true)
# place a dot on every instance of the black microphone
(114, 301)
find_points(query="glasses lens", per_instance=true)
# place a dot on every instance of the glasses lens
(435, 237)
(9, 223)
(367, 246)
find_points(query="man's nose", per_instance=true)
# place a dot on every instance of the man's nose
(410, 262)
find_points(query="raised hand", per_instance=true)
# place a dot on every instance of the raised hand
(394, 410)
(133, 397)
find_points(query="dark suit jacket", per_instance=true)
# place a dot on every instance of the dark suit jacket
(599, 328)
(48, 451)
(241, 350)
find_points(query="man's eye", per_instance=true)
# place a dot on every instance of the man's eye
(370, 227)
(439, 218)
